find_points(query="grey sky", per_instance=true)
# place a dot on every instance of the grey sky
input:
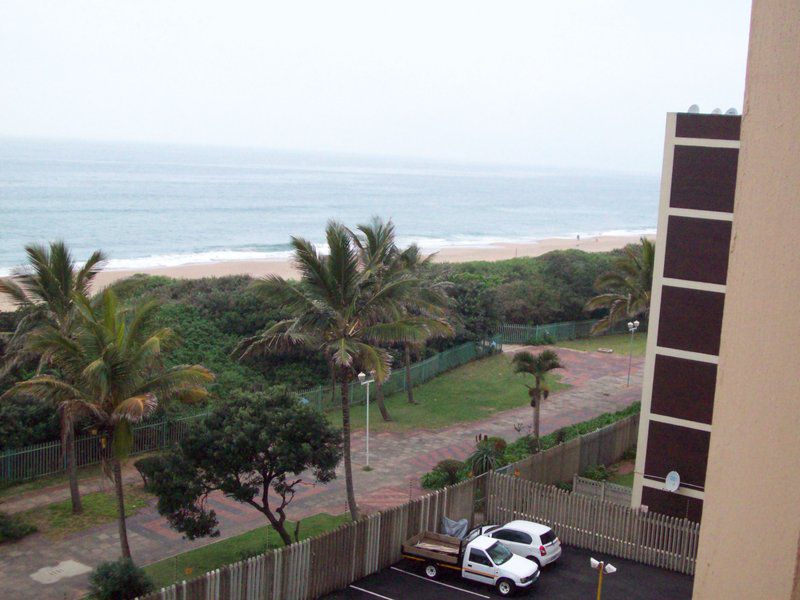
(571, 84)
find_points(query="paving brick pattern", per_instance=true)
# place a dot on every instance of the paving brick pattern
(398, 459)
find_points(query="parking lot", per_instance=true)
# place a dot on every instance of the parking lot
(569, 578)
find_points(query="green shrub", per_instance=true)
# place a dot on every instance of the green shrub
(13, 528)
(630, 454)
(119, 580)
(597, 472)
(148, 466)
(446, 472)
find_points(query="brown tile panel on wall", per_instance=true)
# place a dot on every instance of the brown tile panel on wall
(676, 448)
(697, 249)
(704, 178)
(715, 127)
(690, 319)
(683, 389)
(674, 505)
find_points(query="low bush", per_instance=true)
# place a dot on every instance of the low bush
(119, 580)
(446, 472)
(597, 472)
(13, 528)
(148, 466)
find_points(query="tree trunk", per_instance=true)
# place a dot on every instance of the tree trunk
(68, 447)
(348, 465)
(379, 401)
(409, 387)
(536, 420)
(279, 525)
(123, 530)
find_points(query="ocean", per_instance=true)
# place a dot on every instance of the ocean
(150, 205)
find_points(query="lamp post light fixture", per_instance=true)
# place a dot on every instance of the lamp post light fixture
(601, 568)
(362, 379)
(632, 327)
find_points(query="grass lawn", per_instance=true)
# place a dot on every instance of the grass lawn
(56, 520)
(626, 479)
(469, 393)
(619, 343)
(202, 560)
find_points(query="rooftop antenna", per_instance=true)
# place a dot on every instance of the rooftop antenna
(693, 109)
(732, 112)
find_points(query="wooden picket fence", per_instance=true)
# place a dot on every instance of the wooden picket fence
(560, 463)
(331, 561)
(617, 494)
(595, 524)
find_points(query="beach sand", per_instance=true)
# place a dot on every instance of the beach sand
(260, 268)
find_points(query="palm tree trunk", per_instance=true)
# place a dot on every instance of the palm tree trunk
(123, 530)
(407, 362)
(379, 401)
(333, 386)
(536, 420)
(68, 445)
(348, 465)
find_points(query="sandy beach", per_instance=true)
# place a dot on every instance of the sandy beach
(260, 268)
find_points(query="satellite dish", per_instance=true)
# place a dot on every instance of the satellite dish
(672, 482)
(732, 112)
(716, 111)
(694, 109)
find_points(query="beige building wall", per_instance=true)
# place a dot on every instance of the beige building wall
(751, 520)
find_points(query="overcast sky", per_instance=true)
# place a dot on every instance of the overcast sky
(568, 84)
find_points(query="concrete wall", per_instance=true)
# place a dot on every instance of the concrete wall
(751, 520)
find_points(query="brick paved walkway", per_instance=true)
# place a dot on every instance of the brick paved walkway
(398, 460)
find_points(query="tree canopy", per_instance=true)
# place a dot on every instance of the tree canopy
(252, 448)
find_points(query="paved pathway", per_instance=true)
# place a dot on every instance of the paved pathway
(398, 460)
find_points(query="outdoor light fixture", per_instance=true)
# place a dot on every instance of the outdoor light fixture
(601, 568)
(632, 327)
(362, 379)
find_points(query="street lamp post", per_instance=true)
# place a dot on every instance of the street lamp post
(601, 568)
(362, 379)
(632, 327)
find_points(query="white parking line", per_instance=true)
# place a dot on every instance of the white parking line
(372, 593)
(440, 583)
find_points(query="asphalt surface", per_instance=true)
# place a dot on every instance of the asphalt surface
(569, 578)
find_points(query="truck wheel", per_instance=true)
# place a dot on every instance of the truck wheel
(431, 571)
(505, 587)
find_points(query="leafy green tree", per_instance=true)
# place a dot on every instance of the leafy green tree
(251, 447)
(338, 309)
(44, 294)
(110, 368)
(625, 289)
(538, 366)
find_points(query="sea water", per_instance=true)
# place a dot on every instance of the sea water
(150, 205)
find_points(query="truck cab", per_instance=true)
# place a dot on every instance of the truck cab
(478, 558)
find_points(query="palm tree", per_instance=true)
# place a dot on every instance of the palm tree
(110, 369)
(538, 366)
(381, 258)
(43, 293)
(626, 289)
(340, 310)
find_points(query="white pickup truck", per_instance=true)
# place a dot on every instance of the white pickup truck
(478, 557)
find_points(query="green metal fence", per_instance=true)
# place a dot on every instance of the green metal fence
(45, 459)
(556, 332)
(325, 396)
